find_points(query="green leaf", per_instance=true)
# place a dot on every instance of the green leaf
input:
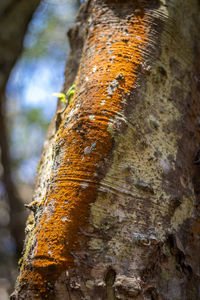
(72, 88)
(59, 95)
(63, 100)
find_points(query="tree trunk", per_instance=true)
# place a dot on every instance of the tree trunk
(15, 16)
(116, 212)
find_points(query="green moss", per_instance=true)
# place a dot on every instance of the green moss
(183, 212)
(165, 275)
(110, 129)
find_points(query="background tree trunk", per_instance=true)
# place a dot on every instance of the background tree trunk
(116, 210)
(15, 16)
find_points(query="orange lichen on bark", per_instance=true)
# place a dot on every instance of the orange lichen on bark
(108, 72)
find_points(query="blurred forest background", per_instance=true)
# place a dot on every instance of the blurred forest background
(27, 106)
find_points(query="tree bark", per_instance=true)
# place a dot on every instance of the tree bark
(116, 210)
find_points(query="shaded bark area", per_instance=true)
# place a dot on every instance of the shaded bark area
(118, 215)
(14, 19)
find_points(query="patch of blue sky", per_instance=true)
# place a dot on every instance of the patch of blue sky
(33, 82)
(26, 171)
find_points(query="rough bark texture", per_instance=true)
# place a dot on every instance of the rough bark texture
(116, 210)
(14, 18)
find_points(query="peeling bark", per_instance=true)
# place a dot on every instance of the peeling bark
(116, 213)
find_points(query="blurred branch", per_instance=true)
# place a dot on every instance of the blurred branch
(5, 6)
(15, 17)
(15, 204)
(13, 26)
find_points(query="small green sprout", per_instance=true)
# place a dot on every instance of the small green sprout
(66, 98)
(70, 92)
(61, 96)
